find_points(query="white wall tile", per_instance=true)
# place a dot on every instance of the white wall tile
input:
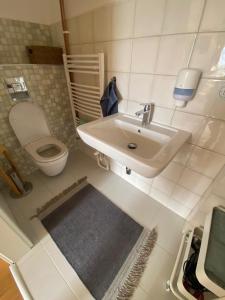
(103, 24)
(183, 154)
(196, 218)
(162, 91)
(207, 100)
(206, 162)
(213, 136)
(82, 49)
(122, 106)
(140, 87)
(149, 17)
(123, 19)
(118, 55)
(74, 31)
(143, 183)
(185, 197)
(174, 53)
(164, 185)
(106, 49)
(214, 16)
(115, 167)
(85, 28)
(211, 201)
(160, 196)
(194, 181)
(208, 54)
(192, 123)
(163, 115)
(182, 16)
(218, 187)
(173, 171)
(144, 54)
(170, 203)
(218, 104)
(132, 107)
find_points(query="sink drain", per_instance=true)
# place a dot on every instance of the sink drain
(132, 146)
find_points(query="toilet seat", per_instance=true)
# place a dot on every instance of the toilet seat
(32, 149)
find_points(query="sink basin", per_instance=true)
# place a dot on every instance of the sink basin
(146, 150)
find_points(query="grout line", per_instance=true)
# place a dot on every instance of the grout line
(172, 117)
(205, 195)
(167, 75)
(192, 50)
(159, 42)
(132, 46)
(196, 35)
(164, 16)
(202, 15)
(58, 270)
(168, 207)
(148, 36)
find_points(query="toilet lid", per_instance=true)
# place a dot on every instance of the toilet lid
(28, 122)
(39, 149)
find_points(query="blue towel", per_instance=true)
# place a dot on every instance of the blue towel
(109, 100)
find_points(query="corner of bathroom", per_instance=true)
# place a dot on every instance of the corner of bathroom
(112, 148)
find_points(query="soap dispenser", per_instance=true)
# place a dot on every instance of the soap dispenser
(186, 86)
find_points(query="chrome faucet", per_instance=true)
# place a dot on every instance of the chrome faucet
(147, 113)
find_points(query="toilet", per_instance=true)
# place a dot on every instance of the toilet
(30, 126)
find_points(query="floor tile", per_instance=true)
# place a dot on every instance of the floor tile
(169, 227)
(42, 278)
(140, 294)
(45, 260)
(157, 273)
(66, 271)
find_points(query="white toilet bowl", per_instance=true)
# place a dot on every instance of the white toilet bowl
(49, 154)
(30, 126)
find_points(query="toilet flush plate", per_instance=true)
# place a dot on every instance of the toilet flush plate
(146, 150)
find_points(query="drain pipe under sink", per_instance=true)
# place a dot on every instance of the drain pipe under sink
(102, 160)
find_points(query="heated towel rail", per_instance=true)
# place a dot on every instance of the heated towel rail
(85, 80)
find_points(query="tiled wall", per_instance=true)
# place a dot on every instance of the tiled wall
(16, 35)
(146, 43)
(47, 87)
(214, 196)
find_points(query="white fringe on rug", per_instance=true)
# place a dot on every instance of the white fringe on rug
(129, 276)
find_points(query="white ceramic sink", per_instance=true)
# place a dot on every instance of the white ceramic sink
(156, 144)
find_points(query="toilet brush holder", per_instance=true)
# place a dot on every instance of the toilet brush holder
(11, 176)
(23, 186)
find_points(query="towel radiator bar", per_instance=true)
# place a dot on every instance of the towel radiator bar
(85, 97)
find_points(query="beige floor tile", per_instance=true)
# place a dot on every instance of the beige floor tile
(42, 277)
(169, 227)
(140, 294)
(47, 261)
(157, 273)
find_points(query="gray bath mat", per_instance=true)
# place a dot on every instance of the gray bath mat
(107, 249)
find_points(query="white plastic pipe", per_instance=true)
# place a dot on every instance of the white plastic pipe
(20, 282)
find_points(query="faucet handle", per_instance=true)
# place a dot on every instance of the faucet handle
(147, 106)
